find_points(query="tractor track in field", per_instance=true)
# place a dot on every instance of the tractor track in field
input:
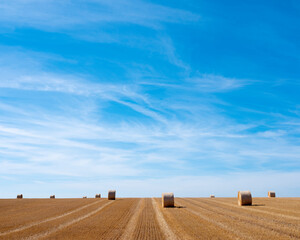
(146, 219)
(247, 221)
(147, 227)
(262, 211)
(239, 234)
(46, 220)
(238, 210)
(132, 222)
(110, 223)
(167, 231)
(286, 210)
(66, 224)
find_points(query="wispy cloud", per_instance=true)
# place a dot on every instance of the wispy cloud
(73, 14)
(96, 21)
(135, 143)
(204, 134)
(216, 83)
(113, 99)
(205, 83)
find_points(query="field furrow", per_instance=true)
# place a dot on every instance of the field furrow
(281, 206)
(187, 225)
(164, 226)
(145, 218)
(66, 224)
(246, 223)
(147, 227)
(30, 225)
(266, 215)
(21, 213)
(130, 228)
(45, 226)
(259, 207)
(110, 223)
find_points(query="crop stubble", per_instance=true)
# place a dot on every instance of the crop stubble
(40, 227)
(247, 222)
(188, 225)
(110, 223)
(191, 218)
(16, 213)
(143, 225)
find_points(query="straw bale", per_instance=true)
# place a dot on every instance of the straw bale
(271, 194)
(98, 196)
(112, 195)
(168, 199)
(244, 198)
(52, 196)
(20, 196)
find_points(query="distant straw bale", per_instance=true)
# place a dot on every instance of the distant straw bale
(112, 195)
(98, 196)
(271, 194)
(20, 196)
(52, 196)
(168, 200)
(244, 198)
(84, 197)
(212, 196)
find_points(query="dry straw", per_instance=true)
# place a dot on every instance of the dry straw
(271, 194)
(20, 196)
(244, 198)
(168, 199)
(52, 196)
(111, 194)
(98, 196)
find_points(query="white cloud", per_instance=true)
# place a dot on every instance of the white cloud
(203, 83)
(185, 133)
(84, 147)
(178, 142)
(64, 15)
(169, 50)
(216, 83)
(92, 21)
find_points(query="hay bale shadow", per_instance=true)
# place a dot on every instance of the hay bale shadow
(176, 207)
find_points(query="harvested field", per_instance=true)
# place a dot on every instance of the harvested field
(145, 218)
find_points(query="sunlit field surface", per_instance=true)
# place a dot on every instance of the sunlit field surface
(144, 218)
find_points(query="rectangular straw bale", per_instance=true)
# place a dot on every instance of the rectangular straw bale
(112, 195)
(271, 194)
(168, 200)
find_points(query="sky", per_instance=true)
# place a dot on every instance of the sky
(195, 97)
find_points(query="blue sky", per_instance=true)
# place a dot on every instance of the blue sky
(194, 97)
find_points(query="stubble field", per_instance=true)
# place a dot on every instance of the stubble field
(144, 218)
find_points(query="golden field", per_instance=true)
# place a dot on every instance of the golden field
(144, 218)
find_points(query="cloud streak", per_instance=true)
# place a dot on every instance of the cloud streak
(115, 98)
(164, 138)
(73, 14)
